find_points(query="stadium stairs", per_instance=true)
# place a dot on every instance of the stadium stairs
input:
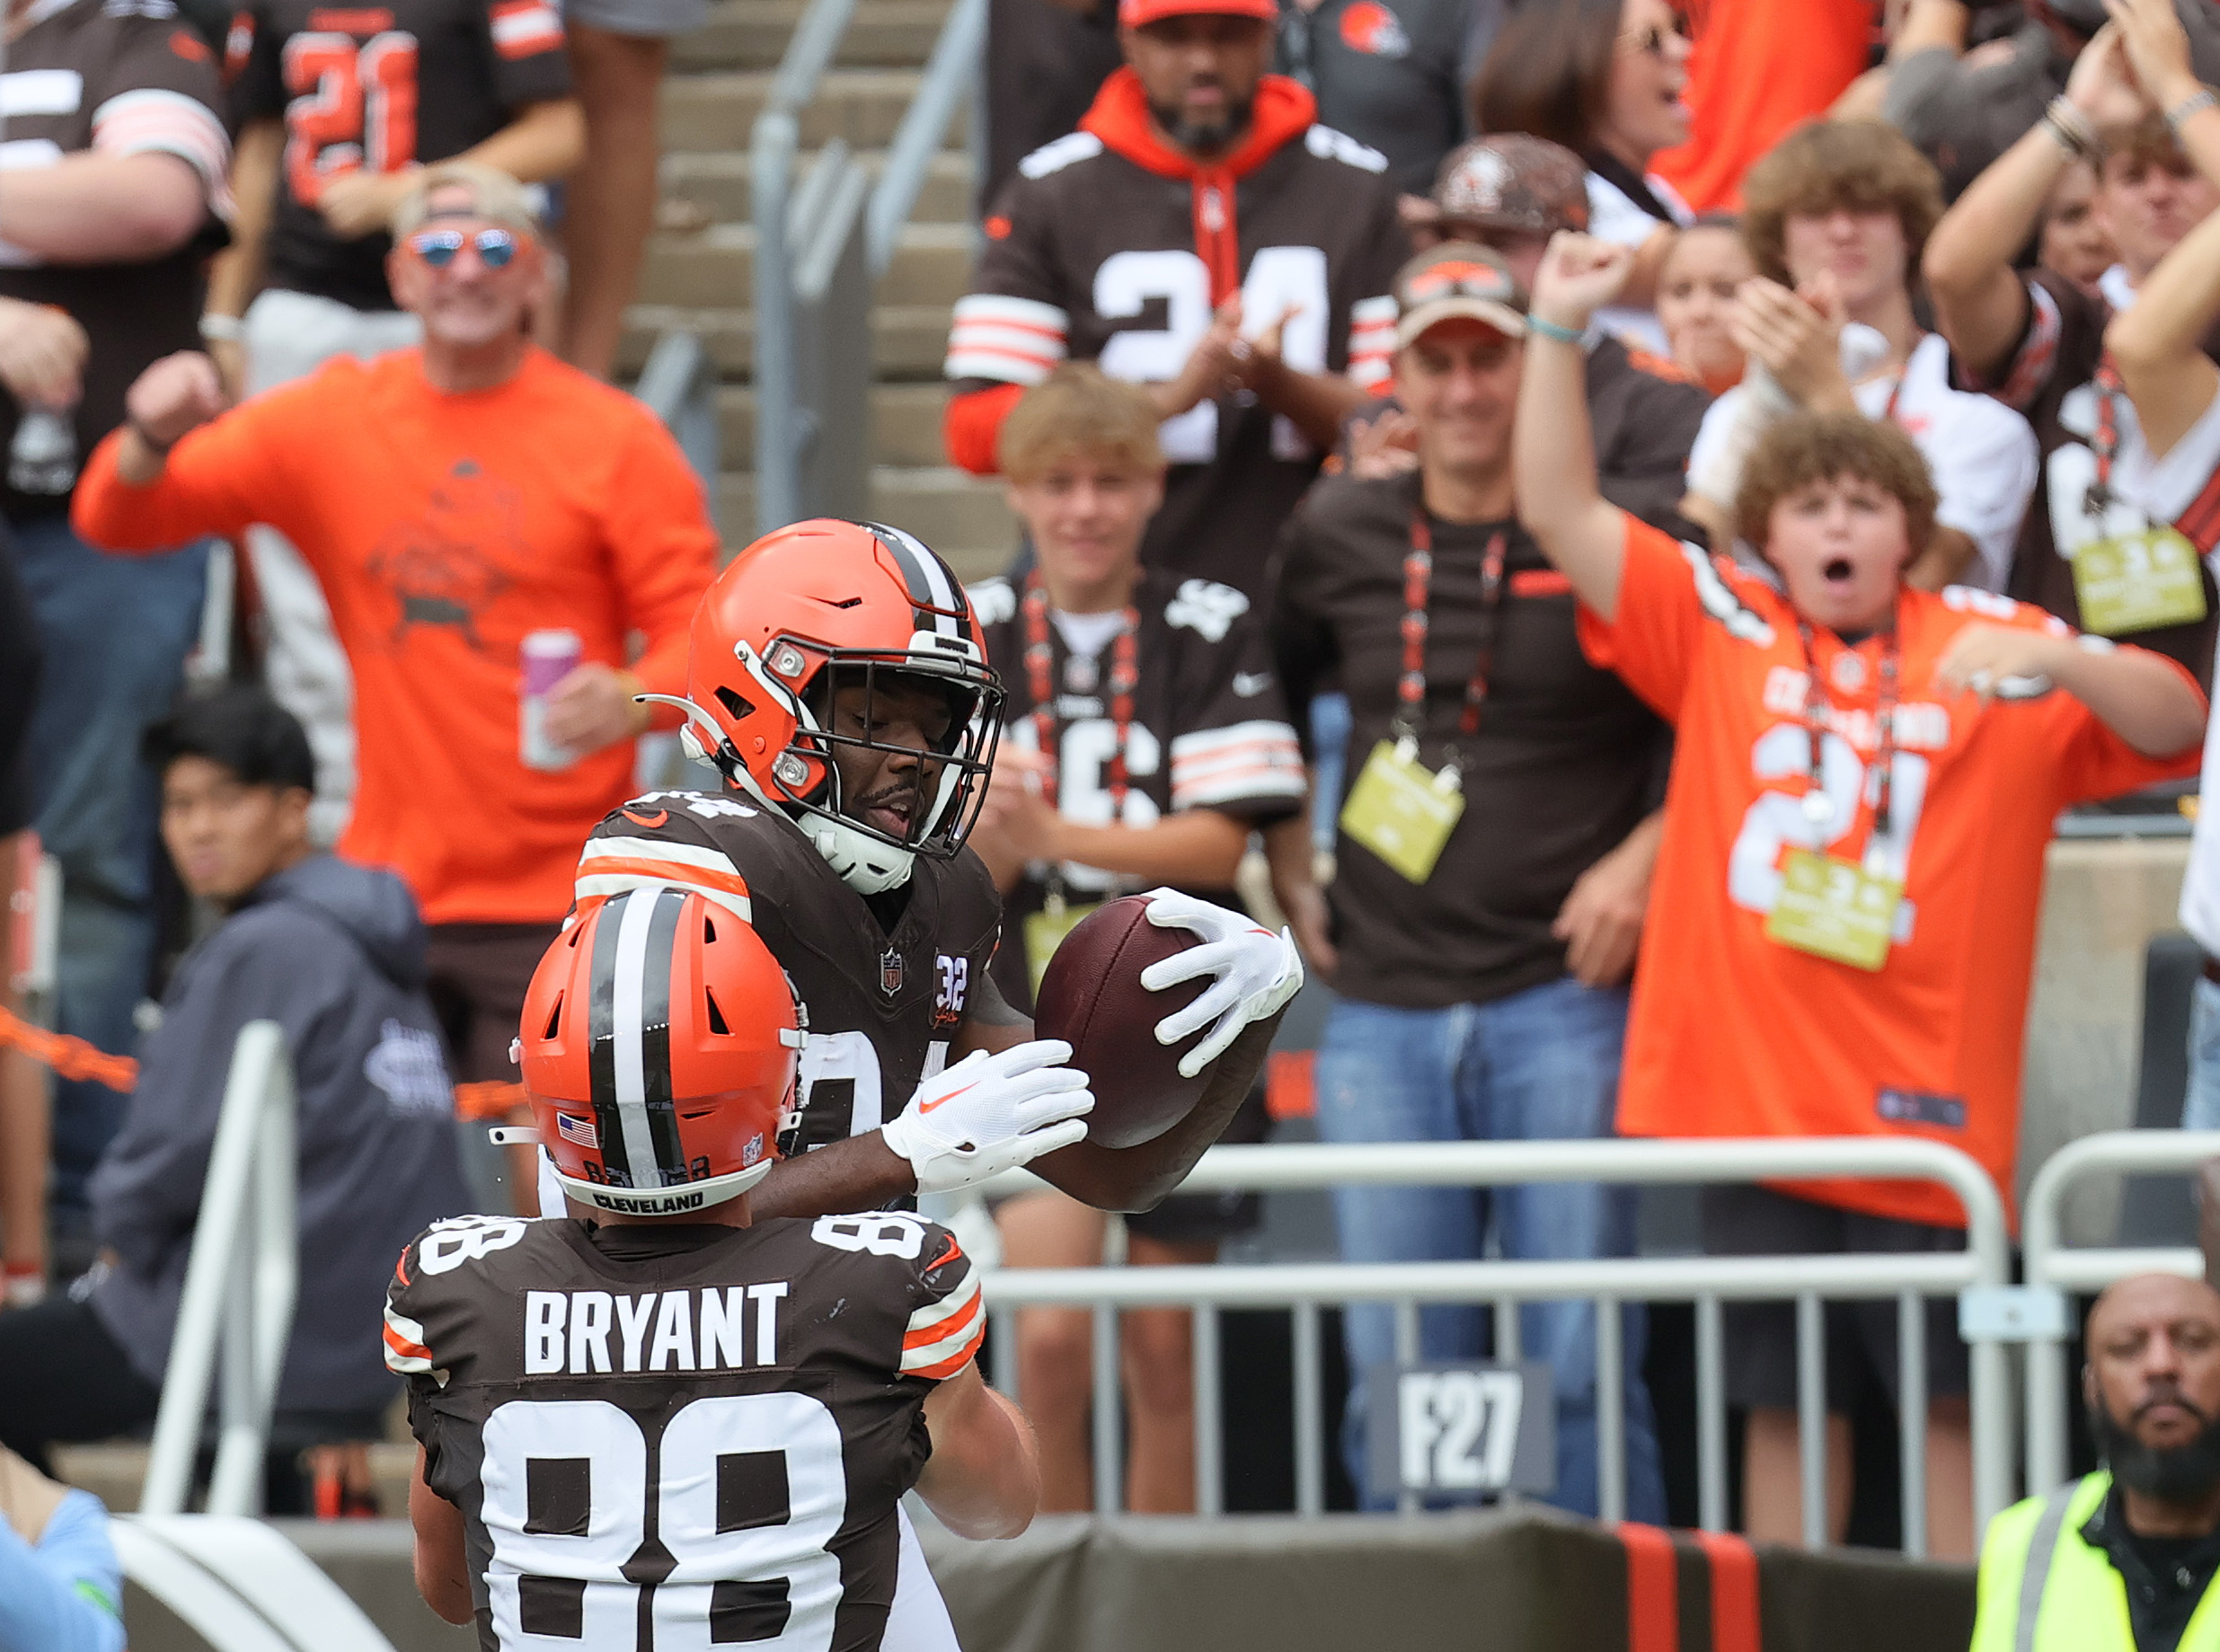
(700, 263)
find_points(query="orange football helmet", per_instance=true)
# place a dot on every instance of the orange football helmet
(825, 604)
(659, 1044)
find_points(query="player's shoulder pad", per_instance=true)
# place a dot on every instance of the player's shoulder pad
(1205, 608)
(945, 1316)
(1329, 144)
(429, 1287)
(715, 843)
(993, 601)
(1054, 157)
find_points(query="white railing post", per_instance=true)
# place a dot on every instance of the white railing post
(241, 1281)
(1708, 1281)
(2050, 1267)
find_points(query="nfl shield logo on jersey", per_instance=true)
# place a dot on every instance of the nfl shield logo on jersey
(889, 972)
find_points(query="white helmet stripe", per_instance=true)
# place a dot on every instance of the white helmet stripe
(931, 589)
(629, 1052)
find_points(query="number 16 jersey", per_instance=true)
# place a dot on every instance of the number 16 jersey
(679, 1436)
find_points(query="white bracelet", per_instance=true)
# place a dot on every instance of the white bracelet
(2202, 97)
(222, 329)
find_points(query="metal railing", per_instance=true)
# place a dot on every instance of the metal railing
(2055, 1272)
(1708, 1282)
(678, 384)
(240, 1286)
(821, 248)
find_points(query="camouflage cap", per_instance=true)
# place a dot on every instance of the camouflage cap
(1511, 181)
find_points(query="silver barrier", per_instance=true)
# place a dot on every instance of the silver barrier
(239, 1283)
(2055, 1272)
(1708, 1282)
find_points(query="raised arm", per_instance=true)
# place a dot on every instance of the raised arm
(2158, 345)
(1553, 447)
(1980, 301)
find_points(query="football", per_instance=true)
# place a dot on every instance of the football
(1091, 997)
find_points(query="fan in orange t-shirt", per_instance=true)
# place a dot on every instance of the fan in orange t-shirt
(1845, 900)
(453, 500)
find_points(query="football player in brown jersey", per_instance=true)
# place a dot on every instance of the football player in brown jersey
(673, 1413)
(839, 687)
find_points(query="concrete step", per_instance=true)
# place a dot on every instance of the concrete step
(908, 341)
(712, 113)
(905, 424)
(752, 34)
(717, 185)
(706, 268)
(961, 517)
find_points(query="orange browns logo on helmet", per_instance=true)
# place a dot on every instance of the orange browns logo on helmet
(856, 600)
(659, 1052)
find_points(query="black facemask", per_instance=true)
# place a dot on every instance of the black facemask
(2176, 1474)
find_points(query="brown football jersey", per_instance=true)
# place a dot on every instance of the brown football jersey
(1091, 254)
(676, 1436)
(883, 1002)
(2050, 379)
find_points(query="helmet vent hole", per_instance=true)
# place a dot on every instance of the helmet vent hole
(554, 1019)
(716, 1016)
(709, 931)
(735, 706)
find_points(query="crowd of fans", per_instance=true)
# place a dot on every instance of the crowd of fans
(1827, 289)
(1370, 381)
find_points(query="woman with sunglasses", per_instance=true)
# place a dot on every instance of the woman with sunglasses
(1607, 79)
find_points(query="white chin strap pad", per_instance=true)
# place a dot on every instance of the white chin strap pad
(865, 864)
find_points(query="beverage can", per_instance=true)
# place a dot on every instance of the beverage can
(547, 658)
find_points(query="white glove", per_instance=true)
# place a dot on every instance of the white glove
(988, 1114)
(1257, 972)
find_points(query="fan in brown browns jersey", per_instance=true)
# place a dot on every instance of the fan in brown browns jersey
(1202, 234)
(839, 685)
(674, 1423)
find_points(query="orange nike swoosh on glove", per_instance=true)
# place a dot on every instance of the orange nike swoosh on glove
(926, 1106)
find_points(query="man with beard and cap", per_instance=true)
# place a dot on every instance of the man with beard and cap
(2124, 1557)
(1202, 235)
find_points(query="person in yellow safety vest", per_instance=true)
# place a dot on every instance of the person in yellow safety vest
(2124, 1557)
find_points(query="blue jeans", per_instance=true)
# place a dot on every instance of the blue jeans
(116, 632)
(1330, 729)
(2200, 1109)
(1541, 1064)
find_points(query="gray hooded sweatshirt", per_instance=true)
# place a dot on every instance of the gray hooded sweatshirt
(334, 954)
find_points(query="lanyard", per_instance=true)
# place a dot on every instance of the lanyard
(1816, 806)
(1418, 580)
(2106, 443)
(1040, 679)
(1896, 390)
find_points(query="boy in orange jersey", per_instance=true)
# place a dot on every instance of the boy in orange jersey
(1845, 901)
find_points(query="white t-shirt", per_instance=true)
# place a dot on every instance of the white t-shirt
(1982, 455)
(1612, 217)
(2118, 288)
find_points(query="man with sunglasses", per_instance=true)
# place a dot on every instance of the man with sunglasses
(336, 110)
(453, 500)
